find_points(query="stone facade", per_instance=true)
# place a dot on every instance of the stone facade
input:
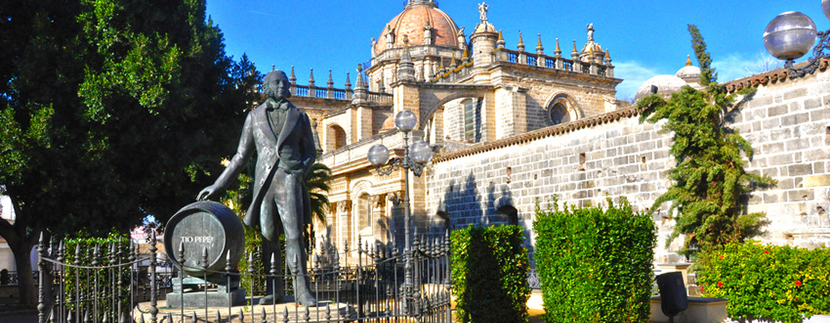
(614, 155)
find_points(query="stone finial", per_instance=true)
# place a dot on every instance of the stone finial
(330, 82)
(500, 42)
(574, 53)
(607, 59)
(465, 56)
(406, 69)
(382, 84)
(311, 78)
(293, 77)
(688, 60)
(539, 48)
(452, 62)
(273, 67)
(558, 51)
(360, 91)
(348, 84)
(521, 45)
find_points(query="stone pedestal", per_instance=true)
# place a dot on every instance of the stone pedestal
(190, 292)
(701, 310)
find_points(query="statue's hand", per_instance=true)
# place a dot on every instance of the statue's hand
(207, 193)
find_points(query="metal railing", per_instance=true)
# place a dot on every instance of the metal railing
(375, 287)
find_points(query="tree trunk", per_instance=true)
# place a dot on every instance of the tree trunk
(26, 280)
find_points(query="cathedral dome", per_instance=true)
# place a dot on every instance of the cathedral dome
(689, 73)
(666, 85)
(412, 21)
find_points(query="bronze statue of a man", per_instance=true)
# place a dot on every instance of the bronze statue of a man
(281, 136)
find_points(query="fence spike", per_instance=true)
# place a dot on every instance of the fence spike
(263, 316)
(106, 317)
(285, 314)
(170, 318)
(241, 316)
(123, 318)
(194, 318)
(219, 316)
(70, 317)
(306, 315)
(328, 312)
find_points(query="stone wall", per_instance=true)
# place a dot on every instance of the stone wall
(614, 155)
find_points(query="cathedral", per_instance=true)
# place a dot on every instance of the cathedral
(466, 90)
(511, 126)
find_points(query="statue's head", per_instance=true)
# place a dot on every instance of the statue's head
(276, 85)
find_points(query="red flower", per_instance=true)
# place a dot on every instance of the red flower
(797, 283)
(766, 251)
(721, 256)
(720, 284)
(701, 289)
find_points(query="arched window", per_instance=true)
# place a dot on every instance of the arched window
(561, 110)
(558, 114)
(335, 138)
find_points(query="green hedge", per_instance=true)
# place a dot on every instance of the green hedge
(767, 281)
(489, 274)
(104, 279)
(595, 263)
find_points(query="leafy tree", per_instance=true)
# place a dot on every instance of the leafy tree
(110, 110)
(317, 182)
(709, 184)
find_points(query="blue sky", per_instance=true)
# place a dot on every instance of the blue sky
(645, 38)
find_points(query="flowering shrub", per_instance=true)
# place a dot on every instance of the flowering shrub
(595, 263)
(768, 282)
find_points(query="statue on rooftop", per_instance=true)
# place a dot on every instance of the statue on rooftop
(482, 10)
(591, 32)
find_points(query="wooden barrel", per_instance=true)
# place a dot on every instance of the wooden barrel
(204, 226)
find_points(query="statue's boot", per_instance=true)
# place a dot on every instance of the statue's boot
(272, 297)
(303, 293)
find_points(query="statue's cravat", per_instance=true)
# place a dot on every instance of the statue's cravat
(276, 115)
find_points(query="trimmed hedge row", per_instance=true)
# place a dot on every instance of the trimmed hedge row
(767, 281)
(100, 281)
(489, 274)
(595, 263)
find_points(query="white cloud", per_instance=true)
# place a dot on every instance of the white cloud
(738, 65)
(634, 74)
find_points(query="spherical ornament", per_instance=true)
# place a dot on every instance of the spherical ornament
(378, 155)
(790, 35)
(420, 152)
(406, 121)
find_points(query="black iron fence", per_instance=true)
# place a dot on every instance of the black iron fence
(383, 283)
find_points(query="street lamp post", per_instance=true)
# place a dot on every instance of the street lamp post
(792, 34)
(414, 159)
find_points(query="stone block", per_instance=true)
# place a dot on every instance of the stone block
(777, 110)
(797, 144)
(795, 119)
(796, 93)
(785, 184)
(760, 101)
(768, 124)
(772, 148)
(818, 115)
(810, 104)
(780, 159)
(800, 195)
(817, 180)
